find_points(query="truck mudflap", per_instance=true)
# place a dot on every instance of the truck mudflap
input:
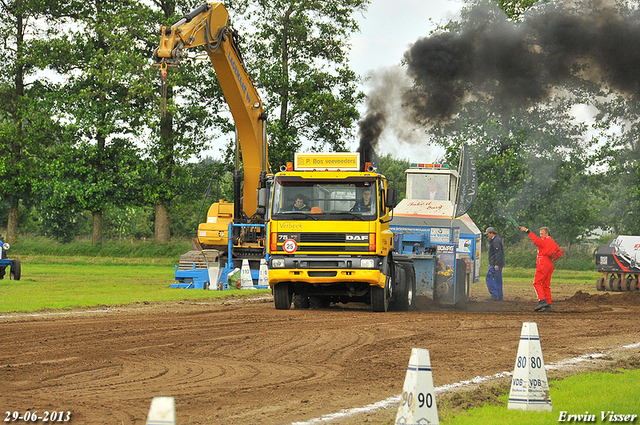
(452, 286)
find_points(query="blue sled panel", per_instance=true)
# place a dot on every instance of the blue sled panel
(191, 279)
(424, 266)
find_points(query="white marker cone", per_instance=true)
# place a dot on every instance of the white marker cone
(263, 277)
(245, 276)
(529, 387)
(162, 411)
(418, 403)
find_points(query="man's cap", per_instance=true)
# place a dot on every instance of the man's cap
(490, 230)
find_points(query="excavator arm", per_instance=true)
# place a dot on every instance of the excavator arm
(207, 26)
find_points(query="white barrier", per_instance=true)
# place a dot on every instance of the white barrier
(529, 386)
(418, 401)
(263, 277)
(246, 282)
(162, 411)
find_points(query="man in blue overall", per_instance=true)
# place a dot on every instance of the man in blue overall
(496, 263)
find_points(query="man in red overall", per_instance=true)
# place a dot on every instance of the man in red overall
(548, 252)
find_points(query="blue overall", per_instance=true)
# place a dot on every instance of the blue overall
(494, 282)
(494, 277)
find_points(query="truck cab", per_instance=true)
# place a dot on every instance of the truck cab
(329, 237)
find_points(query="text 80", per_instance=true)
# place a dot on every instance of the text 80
(536, 362)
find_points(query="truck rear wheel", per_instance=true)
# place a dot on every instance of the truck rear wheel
(15, 270)
(405, 295)
(282, 296)
(300, 302)
(316, 303)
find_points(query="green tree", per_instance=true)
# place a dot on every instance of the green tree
(617, 178)
(531, 166)
(480, 81)
(105, 96)
(394, 169)
(182, 126)
(26, 127)
(299, 57)
(201, 184)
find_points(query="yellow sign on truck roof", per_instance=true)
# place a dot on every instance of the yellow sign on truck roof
(328, 161)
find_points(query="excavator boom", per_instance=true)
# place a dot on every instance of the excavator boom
(207, 26)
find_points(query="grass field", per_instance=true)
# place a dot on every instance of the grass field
(66, 282)
(77, 282)
(575, 395)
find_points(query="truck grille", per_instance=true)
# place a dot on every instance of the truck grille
(322, 238)
(326, 242)
(338, 248)
(323, 274)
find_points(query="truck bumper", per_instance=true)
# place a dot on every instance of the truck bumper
(326, 276)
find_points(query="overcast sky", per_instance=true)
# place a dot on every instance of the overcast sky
(388, 28)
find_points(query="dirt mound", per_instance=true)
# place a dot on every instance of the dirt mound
(606, 298)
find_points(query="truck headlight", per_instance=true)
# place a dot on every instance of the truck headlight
(6, 246)
(367, 263)
(277, 263)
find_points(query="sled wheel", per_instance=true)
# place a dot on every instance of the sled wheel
(616, 285)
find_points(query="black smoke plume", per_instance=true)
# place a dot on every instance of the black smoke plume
(515, 64)
(521, 63)
(370, 130)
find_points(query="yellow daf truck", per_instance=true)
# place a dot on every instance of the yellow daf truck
(329, 238)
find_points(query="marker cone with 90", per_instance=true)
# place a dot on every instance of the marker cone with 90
(418, 403)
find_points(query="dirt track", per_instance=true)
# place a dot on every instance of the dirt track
(243, 362)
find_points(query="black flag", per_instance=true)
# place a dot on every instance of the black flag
(468, 187)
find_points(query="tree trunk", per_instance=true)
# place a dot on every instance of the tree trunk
(96, 234)
(12, 223)
(163, 234)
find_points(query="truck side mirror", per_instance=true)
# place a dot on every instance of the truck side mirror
(392, 198)
(263, 199)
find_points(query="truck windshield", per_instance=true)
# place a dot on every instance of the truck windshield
(428, 186)
(324, 200)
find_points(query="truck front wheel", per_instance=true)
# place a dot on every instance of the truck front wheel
(380, 297)
(282, 296)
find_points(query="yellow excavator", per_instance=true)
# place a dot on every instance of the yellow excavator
(235, 230)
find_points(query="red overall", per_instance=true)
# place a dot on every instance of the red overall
(544, 266)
